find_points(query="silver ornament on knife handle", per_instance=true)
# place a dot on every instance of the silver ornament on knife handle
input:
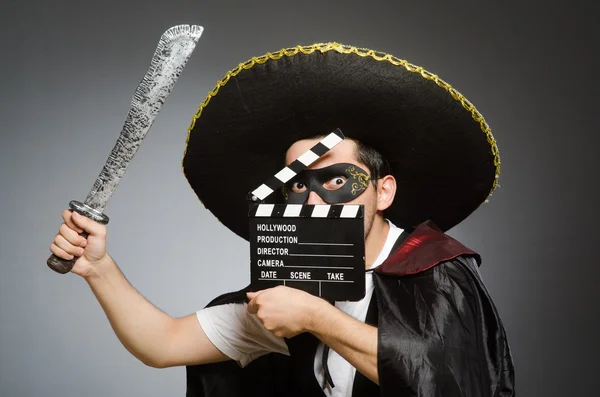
(172, 53)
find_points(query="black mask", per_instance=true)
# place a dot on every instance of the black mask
(337, 183)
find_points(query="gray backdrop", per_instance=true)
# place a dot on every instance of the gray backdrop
(68, 70)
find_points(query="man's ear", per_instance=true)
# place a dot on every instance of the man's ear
(386, 191)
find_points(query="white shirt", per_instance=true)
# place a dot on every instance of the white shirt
(242, 337)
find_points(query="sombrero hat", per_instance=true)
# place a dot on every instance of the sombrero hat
(440, 149)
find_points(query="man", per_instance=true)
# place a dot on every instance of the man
(426, 327)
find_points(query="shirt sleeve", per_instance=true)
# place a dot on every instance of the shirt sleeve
(238, 334)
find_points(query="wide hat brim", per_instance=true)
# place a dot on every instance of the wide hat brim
(441, 150)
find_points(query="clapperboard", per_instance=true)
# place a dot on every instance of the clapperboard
(316, 248)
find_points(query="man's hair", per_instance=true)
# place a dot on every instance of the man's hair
(377, 164)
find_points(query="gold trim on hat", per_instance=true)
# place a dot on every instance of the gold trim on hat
(363, 52)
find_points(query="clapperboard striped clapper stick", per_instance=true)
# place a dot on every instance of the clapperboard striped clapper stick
(316, 248)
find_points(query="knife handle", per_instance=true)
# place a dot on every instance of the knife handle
(63, 266)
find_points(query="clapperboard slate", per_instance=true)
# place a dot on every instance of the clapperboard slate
(316, 248)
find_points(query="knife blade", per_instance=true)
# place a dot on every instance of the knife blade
(170, 57)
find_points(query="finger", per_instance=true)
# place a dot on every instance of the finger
(92, 227)
(72, 236)
(60, 252)
(67, 215)
(252, 295)
(252, 307)
(66, 246)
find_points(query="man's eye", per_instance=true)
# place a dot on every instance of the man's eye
(335, 183)
(298, 187)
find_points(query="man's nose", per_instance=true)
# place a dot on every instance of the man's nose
(314, 198)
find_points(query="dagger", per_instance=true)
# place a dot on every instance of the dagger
(172, 53)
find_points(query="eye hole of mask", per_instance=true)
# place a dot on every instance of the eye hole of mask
(336, 183)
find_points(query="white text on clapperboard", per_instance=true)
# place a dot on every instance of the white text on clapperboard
(272, 274)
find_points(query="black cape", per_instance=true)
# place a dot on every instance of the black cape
(439, 334)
